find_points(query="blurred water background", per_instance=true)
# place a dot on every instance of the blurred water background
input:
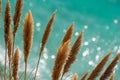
(100, 20)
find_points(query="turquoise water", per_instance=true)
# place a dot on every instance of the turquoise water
(100, 21)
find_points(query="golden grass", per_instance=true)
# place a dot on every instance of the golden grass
(27, 37)
(110, 68)
(68, 34)
(7, 22)
(7, 32)
(16, 60)
(99, 67)
(74, 51)
(61, 57)
(47, 33)
(17, 15)
(28, 30)
(45, 39)
(65, 55)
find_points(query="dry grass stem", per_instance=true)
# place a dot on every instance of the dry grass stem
(110, 68)
(99, 67)
(17, 15)
(62, 56)
(16, 60)
(68, 34)
(45, 39)
(75, 77)
(84, 76)
(74, 51)
(47, 32)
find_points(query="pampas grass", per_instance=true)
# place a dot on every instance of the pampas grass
(110, 68)
(16, 19)
(27, 37)
(7, 31)
(45, 39)
(16, 60)
(61, 57)
(65, 55)
(99, 67)
(68, 34)
(7, 22)
(17, 15)
(74, 51)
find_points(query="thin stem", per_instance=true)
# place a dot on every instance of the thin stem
(10, 77)
(10, 63)
(62, 77)
(21, 76)
(31, 72)
(25, 70)
(37, 64)
(5, 62)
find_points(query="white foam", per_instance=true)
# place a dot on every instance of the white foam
(98, 48)
(86, 52)
(86, 43)
(86, 27)
(97, 57)
(93, 39)
(38, 24)
(91, 63)
(52, 56)
(115, 21)
(76, 33)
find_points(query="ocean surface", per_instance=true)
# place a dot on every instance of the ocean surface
(99, 19)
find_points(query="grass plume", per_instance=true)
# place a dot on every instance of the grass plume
(28, 30)
(7, 22)
(68, 34)
(74, 51)
(16, 19)
(84, 76)
(16, 60)
(7, 31)
(99, 67)
(61, 57)
(65, 55)
(110, 68)
(47, 32)
(45, 39)
(17, 15)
